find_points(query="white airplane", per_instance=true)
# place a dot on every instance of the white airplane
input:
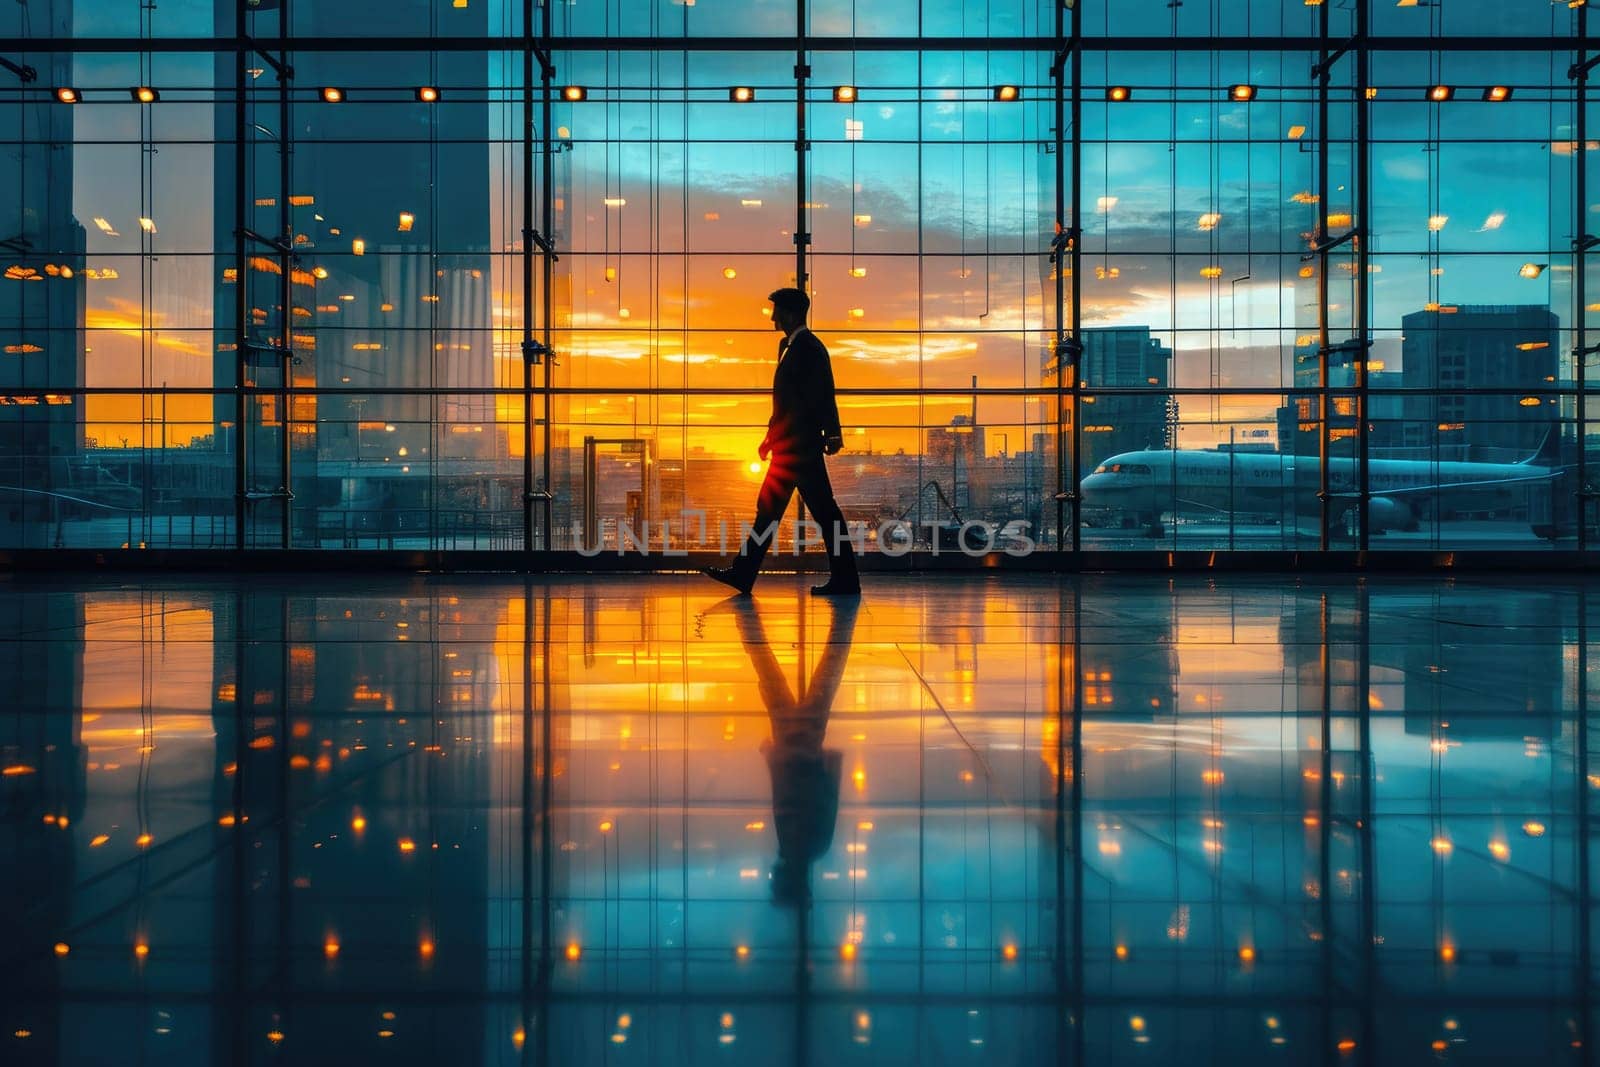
(1208, 483)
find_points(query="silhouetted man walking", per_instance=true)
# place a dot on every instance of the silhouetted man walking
(804, 427)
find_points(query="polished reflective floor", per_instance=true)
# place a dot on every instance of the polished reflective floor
(622, 820)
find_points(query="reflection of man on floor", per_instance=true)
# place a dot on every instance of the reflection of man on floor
(805, 776)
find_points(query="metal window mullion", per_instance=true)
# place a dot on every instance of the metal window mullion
(1580, 186)
(1363, 330)
(547, 169)
(286, 283)
(241, 277)
(1320, 232)
(527, 270)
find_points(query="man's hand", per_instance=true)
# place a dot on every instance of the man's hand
(832, 445)
(764, 449)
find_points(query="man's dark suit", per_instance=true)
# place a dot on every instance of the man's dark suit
(804, 415)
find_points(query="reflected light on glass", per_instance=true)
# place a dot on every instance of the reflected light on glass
(427, 94)
(66, 94)
(573, 951)
(1118, 93)
(1242, 93)
(741, 94)
(1496, 93)
(144, 94)
(844, 94)
(332, 94)
(1532, 270)
(572, 94)
(1440, 93)
(1006, 93)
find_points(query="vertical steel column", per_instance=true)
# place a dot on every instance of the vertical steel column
(1363, 338)
(1065, 254)
(546, 494)
(1320, 235)
(1075, 261)
(1582, 243)
(286, 260)
(241, 161)
(802, 72)
(527, 274)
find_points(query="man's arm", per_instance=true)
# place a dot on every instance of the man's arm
(823, 402)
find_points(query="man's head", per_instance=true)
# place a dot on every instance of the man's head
(789, 308)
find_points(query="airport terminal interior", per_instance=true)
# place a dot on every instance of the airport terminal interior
(1213, 385)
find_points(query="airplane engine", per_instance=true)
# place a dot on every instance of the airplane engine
(1386, 513)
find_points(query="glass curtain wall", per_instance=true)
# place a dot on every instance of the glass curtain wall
(1277, 275)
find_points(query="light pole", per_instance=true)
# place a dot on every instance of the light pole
(357, 402)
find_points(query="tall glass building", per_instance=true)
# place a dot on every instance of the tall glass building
(483, 274)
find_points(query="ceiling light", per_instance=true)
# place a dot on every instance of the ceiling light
(1118, 93)
(67, 94)
(144, 94)
(332, 94)
(1242, 93)
(1497, 93)
(1006, 93)
(1532, 270)
(428, 94)
(574, 93)
(741, 94)
(844, 94)
(1440, 93)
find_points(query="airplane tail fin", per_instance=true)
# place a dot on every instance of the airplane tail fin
(1549, 453)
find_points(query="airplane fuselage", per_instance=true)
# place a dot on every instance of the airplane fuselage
(1207, 483)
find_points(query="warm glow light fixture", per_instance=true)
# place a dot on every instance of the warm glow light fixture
(741, 94)
(574, 93)
(144, 94)
(1532, 270)
(428, 94)
(67, 94)
(1497, 93)
(1440, 93)
(1006, 93)
(332, 94)
(844, 94)
(1118, 93)
(1242, 93)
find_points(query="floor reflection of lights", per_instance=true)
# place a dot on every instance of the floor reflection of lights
(1113, 817)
